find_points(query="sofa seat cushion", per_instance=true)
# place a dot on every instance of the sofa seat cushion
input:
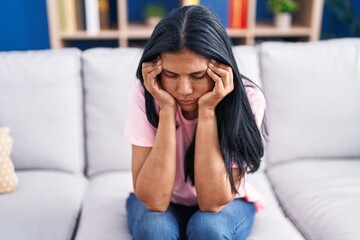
(104, 214)
(321, 197)
(45, 206)
(280, 228)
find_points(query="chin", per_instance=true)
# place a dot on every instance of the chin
(188, 108)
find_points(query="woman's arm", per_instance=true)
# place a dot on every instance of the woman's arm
(154, 169)
(211, 181)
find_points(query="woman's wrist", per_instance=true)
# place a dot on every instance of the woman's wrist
(167, 111)
(206, 112)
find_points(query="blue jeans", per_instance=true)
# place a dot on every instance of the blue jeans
(234, 221)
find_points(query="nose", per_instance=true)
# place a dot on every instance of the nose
(185, 86)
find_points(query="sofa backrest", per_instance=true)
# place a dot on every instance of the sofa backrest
(247, 59)
(41, 102)
(313, 100)
(109, 75)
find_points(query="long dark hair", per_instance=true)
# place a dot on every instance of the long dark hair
(197, 29)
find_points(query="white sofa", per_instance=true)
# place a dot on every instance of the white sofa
(66, 110)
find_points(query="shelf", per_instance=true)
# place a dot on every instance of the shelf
(233, 32)
(133, 31)
(140, 31)
(306, 28)
(83, 35)
(268, 30)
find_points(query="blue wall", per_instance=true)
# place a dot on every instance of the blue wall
(332, 28)
(23, 23)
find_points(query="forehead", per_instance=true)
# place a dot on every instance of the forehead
(184, 62)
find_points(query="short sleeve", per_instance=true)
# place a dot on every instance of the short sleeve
(138, 128)
(257, 102)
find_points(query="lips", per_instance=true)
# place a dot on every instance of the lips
(187, 102)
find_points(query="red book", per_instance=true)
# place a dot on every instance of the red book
(244, 11)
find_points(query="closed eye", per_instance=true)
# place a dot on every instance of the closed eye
(198, 76)
(170, 74)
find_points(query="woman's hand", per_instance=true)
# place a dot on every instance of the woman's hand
(150, 71)
(224, 84)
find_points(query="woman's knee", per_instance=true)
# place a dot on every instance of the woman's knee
(156, 225)
(207, 225)
(234, 221)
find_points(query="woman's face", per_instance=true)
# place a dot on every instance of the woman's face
(184, 76)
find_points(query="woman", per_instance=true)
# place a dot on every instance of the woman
(194, 126)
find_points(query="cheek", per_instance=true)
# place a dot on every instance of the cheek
(210, 84)
(168, 85)
(204, 86)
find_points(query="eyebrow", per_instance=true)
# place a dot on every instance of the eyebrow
(193, 73)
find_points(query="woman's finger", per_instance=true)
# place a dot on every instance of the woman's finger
(225, 74)
(219, 85)
(154, 71)
(148, 67)
(150, 81)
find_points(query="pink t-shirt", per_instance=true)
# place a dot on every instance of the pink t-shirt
(142, 133)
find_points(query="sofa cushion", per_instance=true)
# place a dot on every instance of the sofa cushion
(109, 76)
(247, 60)
(45, 206)
(321, 197)
(104, 214)
(280, 228)
(41, 101)
(313, 100)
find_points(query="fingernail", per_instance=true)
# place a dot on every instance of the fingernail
(212, 61)
(211, 65)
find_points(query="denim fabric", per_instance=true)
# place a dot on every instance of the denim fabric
(234, 221)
